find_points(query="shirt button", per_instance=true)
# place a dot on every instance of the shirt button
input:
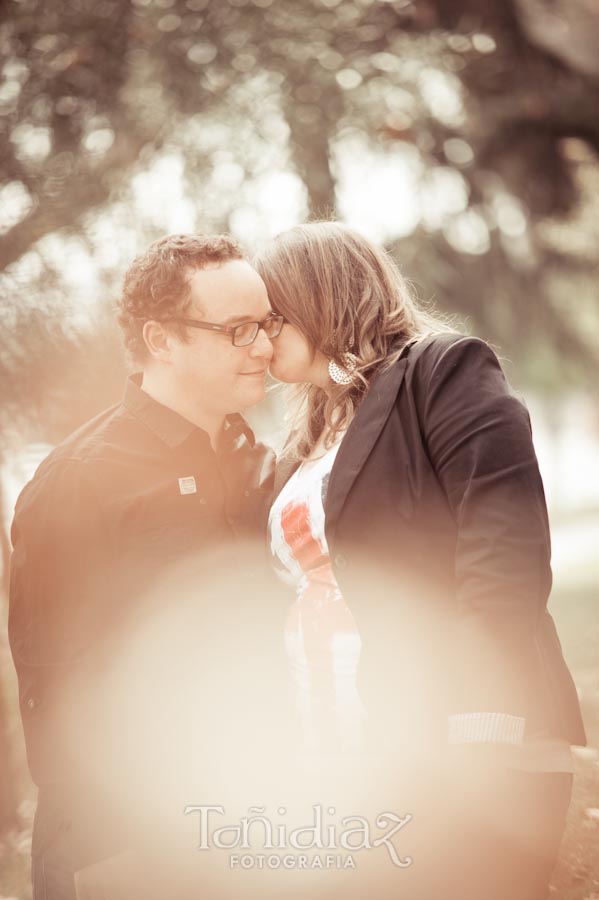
(31, 703)
(203, 501)
(341, 561)
(246, 493)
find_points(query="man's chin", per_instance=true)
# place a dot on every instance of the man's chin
(252, 395)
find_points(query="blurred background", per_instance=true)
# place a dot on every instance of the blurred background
(461, 134)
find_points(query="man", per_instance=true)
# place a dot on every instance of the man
(118, 610)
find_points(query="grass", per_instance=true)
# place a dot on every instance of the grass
(576, 876)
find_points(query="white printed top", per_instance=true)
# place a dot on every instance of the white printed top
(321, 637)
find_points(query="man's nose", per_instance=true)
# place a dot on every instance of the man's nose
(262, 346)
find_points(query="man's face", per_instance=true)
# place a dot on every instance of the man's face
(224, 378)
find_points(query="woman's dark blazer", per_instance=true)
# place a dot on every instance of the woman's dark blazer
(438, 534)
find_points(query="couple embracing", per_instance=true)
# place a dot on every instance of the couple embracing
(401, 650)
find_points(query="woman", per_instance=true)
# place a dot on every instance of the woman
(411, 519)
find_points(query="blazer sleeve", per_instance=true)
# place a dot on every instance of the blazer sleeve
(479, 440)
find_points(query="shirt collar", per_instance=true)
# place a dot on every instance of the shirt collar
(172, 428)
(236, 431)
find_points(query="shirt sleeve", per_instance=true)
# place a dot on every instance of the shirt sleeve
(479, 439)
(60, 567)
(60, 617)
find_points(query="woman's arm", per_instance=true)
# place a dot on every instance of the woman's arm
(478, 436)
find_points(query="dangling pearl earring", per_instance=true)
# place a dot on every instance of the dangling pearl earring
(343, 374)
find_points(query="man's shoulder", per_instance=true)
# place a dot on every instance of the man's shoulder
(74, 457)
(81, 443)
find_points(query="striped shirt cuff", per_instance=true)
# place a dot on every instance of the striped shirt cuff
(490, 727)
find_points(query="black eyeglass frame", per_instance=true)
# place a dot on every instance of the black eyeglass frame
(231, 329)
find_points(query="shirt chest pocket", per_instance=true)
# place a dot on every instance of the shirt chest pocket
(170, 521)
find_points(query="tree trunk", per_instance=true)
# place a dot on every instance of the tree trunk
(312, 112)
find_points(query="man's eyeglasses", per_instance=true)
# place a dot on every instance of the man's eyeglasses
(244, 334)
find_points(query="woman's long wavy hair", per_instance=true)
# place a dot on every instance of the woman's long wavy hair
(344, 294)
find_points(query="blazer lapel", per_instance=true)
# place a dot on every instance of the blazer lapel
(361, 437)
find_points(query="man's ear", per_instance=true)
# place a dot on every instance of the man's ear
(157, 340)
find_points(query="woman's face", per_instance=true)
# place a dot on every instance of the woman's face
(293, 360)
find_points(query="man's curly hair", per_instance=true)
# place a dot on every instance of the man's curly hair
(156, 285)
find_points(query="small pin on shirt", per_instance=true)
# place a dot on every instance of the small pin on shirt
(187, 485)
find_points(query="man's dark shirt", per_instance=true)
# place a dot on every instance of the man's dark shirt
(130, 512)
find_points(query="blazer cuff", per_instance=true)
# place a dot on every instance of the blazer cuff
(486, 727)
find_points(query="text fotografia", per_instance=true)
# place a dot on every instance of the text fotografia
(257, 831)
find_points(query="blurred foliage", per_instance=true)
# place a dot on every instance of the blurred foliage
(494, 100)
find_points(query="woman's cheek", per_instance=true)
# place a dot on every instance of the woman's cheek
(276, 367)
